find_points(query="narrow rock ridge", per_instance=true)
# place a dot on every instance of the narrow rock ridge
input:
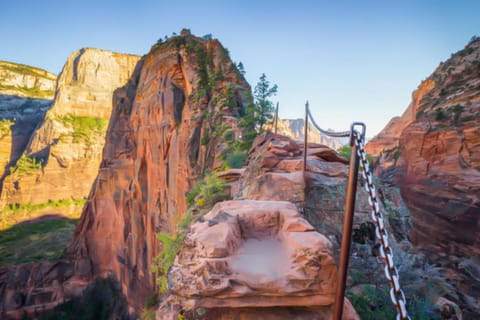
(153, 154)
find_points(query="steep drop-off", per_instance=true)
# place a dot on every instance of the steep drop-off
(166, 129)
(64, 153)
(433, 153)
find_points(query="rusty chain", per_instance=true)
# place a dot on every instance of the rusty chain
(396, 293)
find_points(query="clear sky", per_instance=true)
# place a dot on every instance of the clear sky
(353, 60)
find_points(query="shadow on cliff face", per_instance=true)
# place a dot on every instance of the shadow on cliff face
(101, 300)
(26, 114)
(42, 238)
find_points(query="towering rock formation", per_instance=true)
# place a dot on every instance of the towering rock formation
(295, 128)
(64, 153)
(166, 128)
(433, 152)
(25, 96)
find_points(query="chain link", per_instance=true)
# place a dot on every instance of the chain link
(342, 134)
(396, 293)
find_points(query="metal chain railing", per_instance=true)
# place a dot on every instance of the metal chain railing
(342, 134)
(357, 142)
(396, 293)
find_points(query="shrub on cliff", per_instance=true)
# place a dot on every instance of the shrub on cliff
(171, 245)
(208, 191)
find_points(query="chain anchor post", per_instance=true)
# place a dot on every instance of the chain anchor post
(276, 118)
(347, 222)
(305, 134)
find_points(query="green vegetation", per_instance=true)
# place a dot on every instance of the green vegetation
(85, 128)
(208, 191)
(467, 118)
(102, 300)
(346, 151)
(235, 160)
(26, 70)
(5, 125)
(372, 303)
(257, 114)
(10, 212)
(35, 241)
(439, 115)
(264, 107)
(171, 247)
(457, 112)
(34, 92)
(26, 165)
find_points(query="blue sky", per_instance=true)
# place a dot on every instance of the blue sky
(353, 60)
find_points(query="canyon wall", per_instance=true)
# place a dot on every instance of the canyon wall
(26, 94)
(63, 154)
(164, 132)
(433, 153)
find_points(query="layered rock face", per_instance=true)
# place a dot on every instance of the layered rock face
(434, 155)
(295, 129)
(25, 96)
(64, 153)
(265, 248)
(257, 256)
(25, 81)
(153, 153)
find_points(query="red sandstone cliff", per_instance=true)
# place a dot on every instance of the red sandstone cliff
(433, 153)
(153, 153)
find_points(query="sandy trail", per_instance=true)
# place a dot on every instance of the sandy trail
(265, 257)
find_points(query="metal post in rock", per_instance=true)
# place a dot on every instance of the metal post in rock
(347, 224)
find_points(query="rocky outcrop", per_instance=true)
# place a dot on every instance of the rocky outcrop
(30, 288)
(153, 153)
(256, 255)
(435, 158)
(25, 96)
(166, 128)
(295, 129)
(25, 81)
(67, 146)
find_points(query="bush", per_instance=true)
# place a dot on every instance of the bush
(5, 125)
(171, 247)
(163, 262)
(26, 164)
(345, 151)
(236, 160)
(372, 303)
(84, 128)
(229, 135)
(208, 192)
(439, 115)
